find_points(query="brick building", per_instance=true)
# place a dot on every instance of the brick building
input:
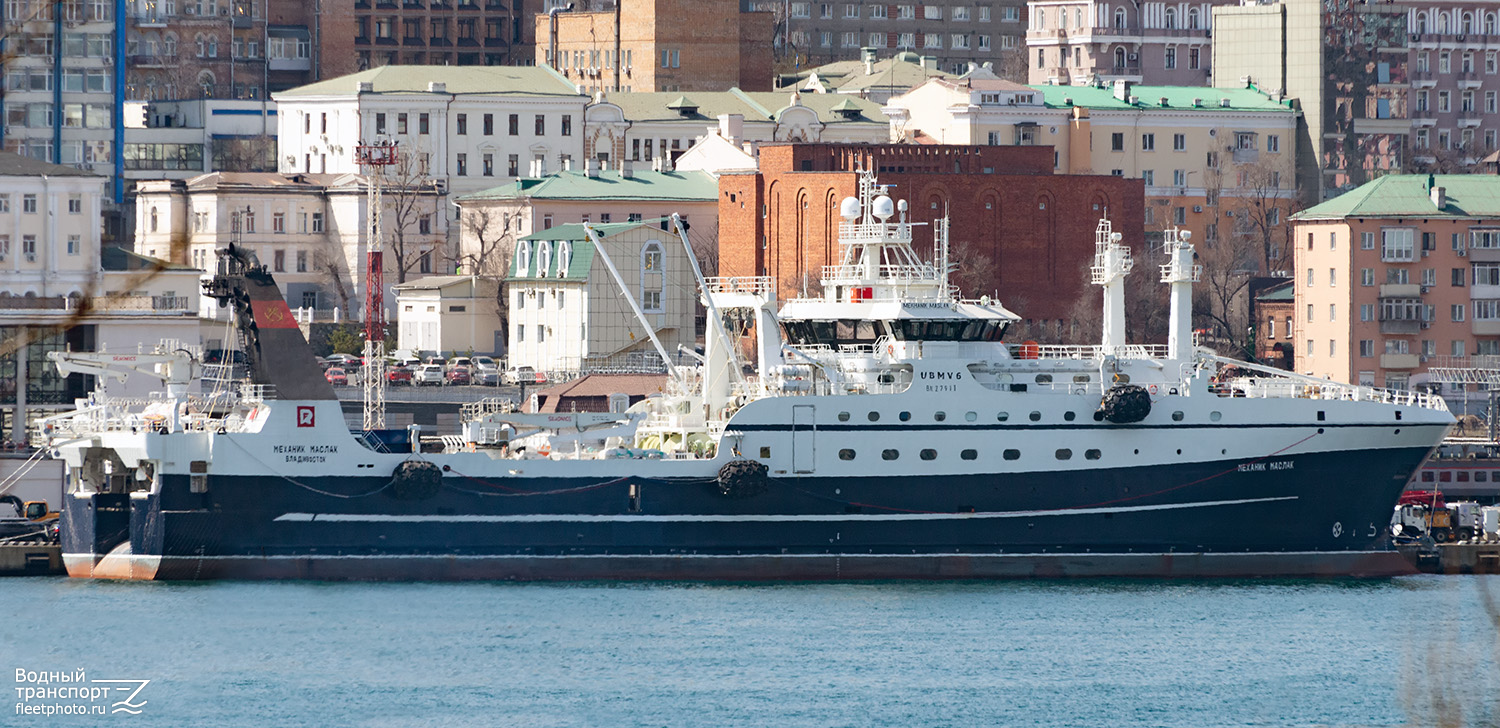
(440, 32)
(954, 33)
(663, 45)
(1017, 229)
(230, 49)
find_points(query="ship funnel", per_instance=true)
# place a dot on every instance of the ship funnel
(849, 208)
(883, 208)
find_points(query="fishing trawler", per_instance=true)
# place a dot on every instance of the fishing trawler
(887, 431)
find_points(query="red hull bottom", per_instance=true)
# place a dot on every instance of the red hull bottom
(1308, 564)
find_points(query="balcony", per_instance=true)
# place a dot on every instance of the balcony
(1400, 327)
(1054, 33)
(1484, 255)
(290, 64)
(1120, 72)
(1486, 327)
(149, 20)
(1400, 290)
(1469, 118)
(1469, 79)
(1400, 361)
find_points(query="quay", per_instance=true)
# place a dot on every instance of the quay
(1460, 558)
(31, 558)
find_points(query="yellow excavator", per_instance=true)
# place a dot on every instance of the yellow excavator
(34, 511)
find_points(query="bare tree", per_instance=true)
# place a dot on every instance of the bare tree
(1012, 65)
(973, 269)
(255, 154)
(1146, 314)
(408, 198)
(1260, 207)
(1220, 300)
(487, 243)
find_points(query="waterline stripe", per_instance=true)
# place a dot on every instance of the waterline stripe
(753, 518)
(584, 557)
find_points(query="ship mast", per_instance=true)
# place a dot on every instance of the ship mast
(1180, 273)
(1112, 262)
(375, 157)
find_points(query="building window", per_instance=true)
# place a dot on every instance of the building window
(489, 164)
(566, 128)
(1396, 245)
(75, 244)
(463, 123)
(541, 125)
(317, 222)
(1179, 142)
(1148, 142)
(462, 166)
(302, 261)
(278, 222)
(1117, 142)
(28, 204)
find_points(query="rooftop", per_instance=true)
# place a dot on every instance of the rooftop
(608, 185)
(15, 165)
(1409, 195)
(458, 80)
(902, 71)
(113, 258)
(1178, 98)
(754, 106)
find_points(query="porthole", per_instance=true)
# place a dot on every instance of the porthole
(904, 416)
(846, 454)
(874, 416)
(1002, 416)
(1064, 453)
(928, 454)
(1091, 454)
(939, 416)
(1080, 379)
(1177, 416)
(889, 454)
(1098, 416)
(843, 417)
(1215, 416)
(971, 416)
(1012, 454)
(969, 454)
(1036, 416)
(1070, 416)
(1044, 379)
(1179, 451)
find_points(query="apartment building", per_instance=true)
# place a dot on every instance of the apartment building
(1348, 66)
(311, 230)
(1215, 161)
(465, 128)
(645, 127)
(222, 49)
(1399, 275)
(659, 45)
(1156, 43)
(62, 90)
(1455, 79)
(955, 33)
(437, 32)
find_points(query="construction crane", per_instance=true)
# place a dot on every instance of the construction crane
(374, 158)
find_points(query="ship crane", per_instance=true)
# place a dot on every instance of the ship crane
(175, 369)
(1483, 371)
(376, 157)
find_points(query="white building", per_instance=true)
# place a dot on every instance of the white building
(566, 310)
(468, 128)
(60, 289)
(450, 315)
(182, 139)
(309, 229)
(644, 127)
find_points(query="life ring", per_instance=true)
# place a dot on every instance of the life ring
(1153, 389)
(890, 349)
(545, 450)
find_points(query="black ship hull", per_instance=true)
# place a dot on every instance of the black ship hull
(1315, 514)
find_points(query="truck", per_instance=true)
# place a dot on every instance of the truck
(1423, 513)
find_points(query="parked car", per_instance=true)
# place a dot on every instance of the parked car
(336, 376)
(458, 375)
(398, 375)
(460, 361)
(343, 360)
(427, 374)
(486, 362)
(525, 375)
(440, 361)
(490, 377)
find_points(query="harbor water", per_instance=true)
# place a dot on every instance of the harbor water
(1414, 651)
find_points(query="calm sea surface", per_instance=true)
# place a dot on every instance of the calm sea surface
(1413, 651)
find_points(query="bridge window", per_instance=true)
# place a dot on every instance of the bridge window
(846, 454)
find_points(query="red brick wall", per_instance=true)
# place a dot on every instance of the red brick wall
(1035, 228)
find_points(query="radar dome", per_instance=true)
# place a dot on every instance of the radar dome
(883, 207)
(849, 208)
(901, 206)
(1185, 235)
